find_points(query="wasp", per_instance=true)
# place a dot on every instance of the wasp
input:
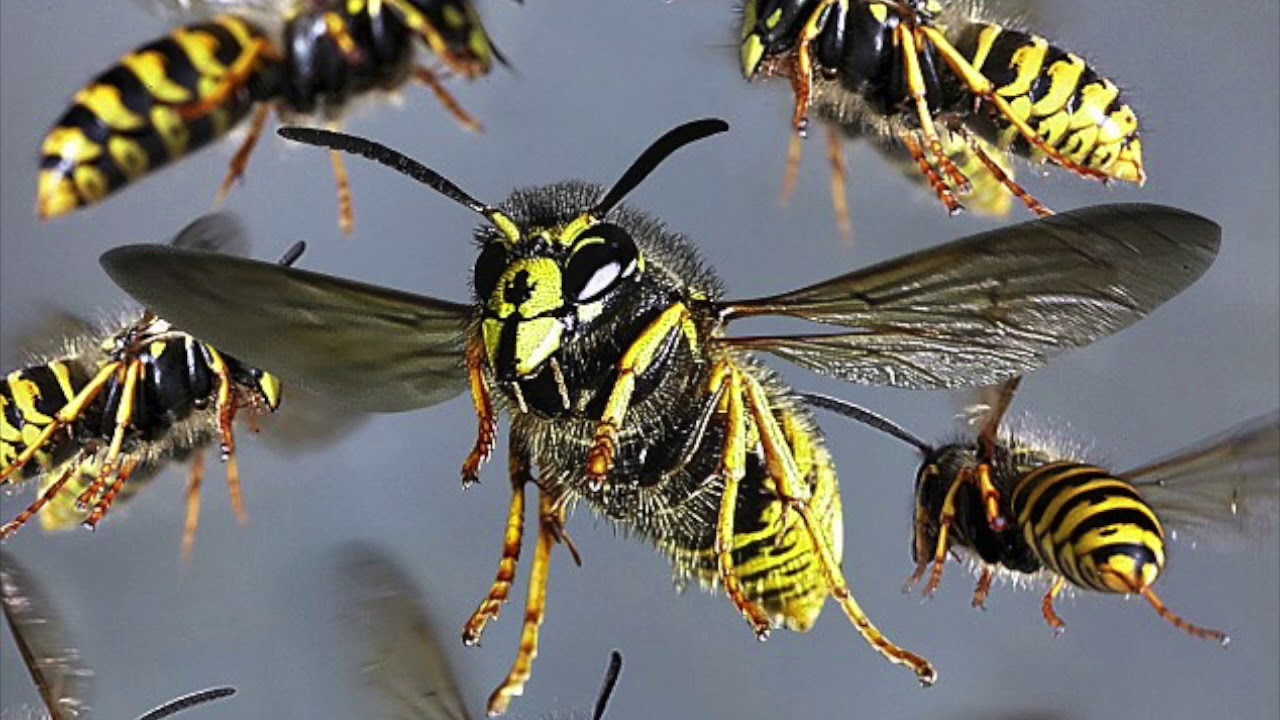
(401, 660)
(106, 410)
(604, 338)
(1019, 506)
(296, 58)
(61, 677)
(935, 75)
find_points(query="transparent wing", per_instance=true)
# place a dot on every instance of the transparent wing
(179, 10)
(1224, 491)
(369, 348)
(991, 306)
(216, 232)
(64, 681)
(400, 656)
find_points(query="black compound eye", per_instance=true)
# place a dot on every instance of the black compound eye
(489, 267)
(604, 255)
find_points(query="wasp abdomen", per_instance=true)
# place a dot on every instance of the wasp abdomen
(1090, 527)
(130, 120)
(29, 400)
(1072, 108)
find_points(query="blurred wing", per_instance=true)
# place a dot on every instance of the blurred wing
(401, 659)
(217, 232)
(1225, 490)
(51, 336)
(64, 681)
(306, 421)
(991, 306)
(185, 10)
(369, 348)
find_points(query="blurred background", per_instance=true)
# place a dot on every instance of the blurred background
(594, 83)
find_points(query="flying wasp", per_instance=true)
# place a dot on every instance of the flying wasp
(946, 83)
(605, 339)
(63, 680)
(1020, 507)
(107, 410)
(231, 58)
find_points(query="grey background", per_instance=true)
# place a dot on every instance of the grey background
(597, 81)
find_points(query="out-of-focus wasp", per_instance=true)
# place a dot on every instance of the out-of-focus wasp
(606, 340)
(296, 58)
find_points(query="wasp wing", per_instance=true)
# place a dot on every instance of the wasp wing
(65, 682)
(1225, 490)
(401, 659)
(370, 348)
(991, 306)
(216, 232)
(179, 10)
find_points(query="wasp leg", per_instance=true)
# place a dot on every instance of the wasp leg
(512, 541)
(240, 160)
(92, 495)
(195, 478)
(1003, 178)
(68, 470)
(1196, 630)
(426, 77)
(944, 530)
(987, 438)
(1046, 606)
(488, 419)
(101, 507)
(733, 465)
(346, 211)
(795, 149)
(940, 187)
(535, 608)
(979, 85)
(916, 88)
(634, 362)
(983, 589)
(793, 493)
(66, 415)
(802, 75)
(225, 411)
(839, 186)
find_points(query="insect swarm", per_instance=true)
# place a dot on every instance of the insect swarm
(604, 339)
(296, 58)
(1021, 508)
(117, 405)
(935, 75)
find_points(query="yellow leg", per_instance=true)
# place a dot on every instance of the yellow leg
(940, 187)
(102, 506)
(634, 362)
(488, 419)
(225, 411)
(124, 416)
(988, 438)
(346, 212)
(512, 541)
(426, 77)
(839, 189)
(1196, 630)
(919, 95)
(795, 149)
(68, 470)
(983, 589)
(802, 75)
(1003, 178)
(1046, 606)
(240, 160)
(792, 491)
(944, 531)
(535, 609)
(195, 479)
(66, 415)
(732, 467)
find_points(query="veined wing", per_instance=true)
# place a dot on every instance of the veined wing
(371, 348)
(1225, 490)
(991, 306)
(65, 682)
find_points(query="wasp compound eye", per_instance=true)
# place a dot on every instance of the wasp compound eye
(600, 259)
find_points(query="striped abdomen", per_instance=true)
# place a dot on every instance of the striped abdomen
(29, 400)
(1073, 109)
(130, 120)
(1089, 526)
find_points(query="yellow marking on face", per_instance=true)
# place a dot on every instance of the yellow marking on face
(590, 311)
(750, 10)
(70, 143)
(879, 12)
(1028, 59)
(173, 132)
(55, 195)
(752, 52)
(569, 234)
(774, 18)
(269, 385)
(105, 104)
(544, 284)
(128, 156)
(986, 40)
(1064, 78)
(491, 328)
(508, 227)
(536, 340)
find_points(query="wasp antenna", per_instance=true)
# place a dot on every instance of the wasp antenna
(294, 252)
(403, 164)
(866, 417)
(186, 702)
(611, 674)
(653, 156)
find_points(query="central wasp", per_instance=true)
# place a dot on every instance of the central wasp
(606, 340)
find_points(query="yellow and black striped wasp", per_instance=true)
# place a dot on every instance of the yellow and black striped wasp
(606, 340)
(945, 82)
(61, 677)
(111, 407)
(402, 664)
(231, 58)
(1026, 506)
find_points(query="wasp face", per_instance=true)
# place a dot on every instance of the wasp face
(770, 27)
(539, 292)
(933, 480)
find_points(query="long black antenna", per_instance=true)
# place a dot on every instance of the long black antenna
(653, 156)
(186, 702)
(866, 417)
(611, 674)
(402, 164)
